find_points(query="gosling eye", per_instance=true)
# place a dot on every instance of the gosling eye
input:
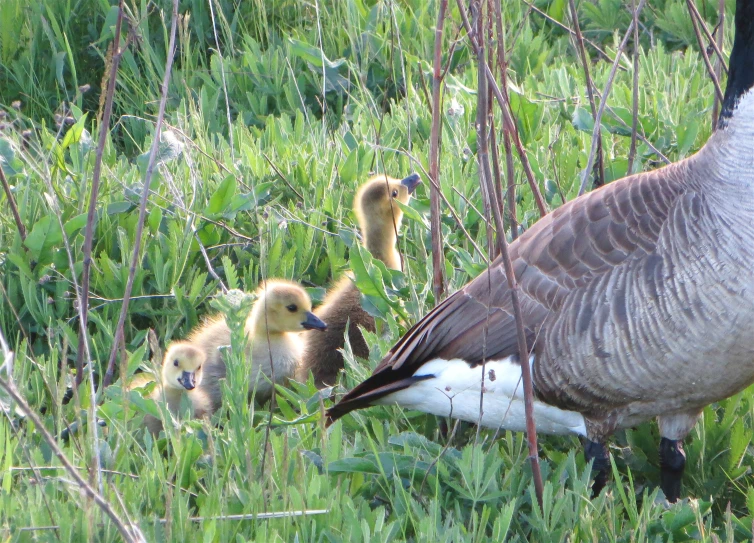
(395, 194)
(292, 308)
(175, 362)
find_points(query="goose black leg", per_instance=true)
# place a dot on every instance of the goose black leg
(672, 463)
(596, 451)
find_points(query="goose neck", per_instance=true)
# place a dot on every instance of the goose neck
(741, 64)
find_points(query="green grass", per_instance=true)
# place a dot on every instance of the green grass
(382, 474)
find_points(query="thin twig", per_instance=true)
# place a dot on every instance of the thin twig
(438, 284)
(222, 75)
(482, 155)
(96, 471)
(135, 256)
(204, 153)
(579, 39)
(445, 447)
(424, 88)
(634, 92)
(250, 516)
(496, 171)
(531, 429)
(505, 106)
(323, 105)
(94, 196)
(13, 208)
(493, 16)
(717, 46)
(509, 171)
(273, 396)
(489, 195)
(453, 44)
(261, 516)
(703, 51)
(281, 176)
(603, 100)
(719, 62)
(7, 362)
(210, 269)
(457, 218)
(129, 532)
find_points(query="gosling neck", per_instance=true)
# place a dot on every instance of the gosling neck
(172, 393)
(381, 241)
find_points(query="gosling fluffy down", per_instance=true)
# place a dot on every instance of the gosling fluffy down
(380, 221)
(282, 310)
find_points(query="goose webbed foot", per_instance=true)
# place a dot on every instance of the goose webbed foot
(672, 464)
(596, 451)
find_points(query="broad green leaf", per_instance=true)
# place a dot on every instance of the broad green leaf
(368, 278)
(116, 208)
(412, 213)
(583, 120)
(686, 136)
(73, 135)
(22, 265)
(222, 197)
(312, 54)
(230, 272)
(155, 219)
(349, 169)
(353, 465)
(75, 224)
(44, 235)
(10, 164)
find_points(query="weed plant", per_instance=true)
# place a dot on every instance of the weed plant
(277, 111)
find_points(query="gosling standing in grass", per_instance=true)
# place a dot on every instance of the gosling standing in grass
(181, 371)
(380, 221)
(282, 310)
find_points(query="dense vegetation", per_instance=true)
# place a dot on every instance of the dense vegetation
(266, 144)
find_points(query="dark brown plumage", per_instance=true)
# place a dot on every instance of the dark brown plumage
(636, 300)
(341, 309)
(379, 221)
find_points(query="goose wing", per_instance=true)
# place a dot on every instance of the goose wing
(564, 251)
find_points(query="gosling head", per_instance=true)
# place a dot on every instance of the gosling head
(182, 366)
(374, 201)
(283, 306)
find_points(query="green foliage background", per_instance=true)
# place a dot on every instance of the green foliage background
(327, 92)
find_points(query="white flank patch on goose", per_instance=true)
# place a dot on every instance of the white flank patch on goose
(455, 387)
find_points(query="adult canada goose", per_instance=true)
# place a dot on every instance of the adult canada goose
(380, 222)
(181, 371)
(281, 311)
(636, 299)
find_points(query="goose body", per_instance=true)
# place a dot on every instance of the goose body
(281, 311)
(181, 372)
(380, 221)
(637, 301)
